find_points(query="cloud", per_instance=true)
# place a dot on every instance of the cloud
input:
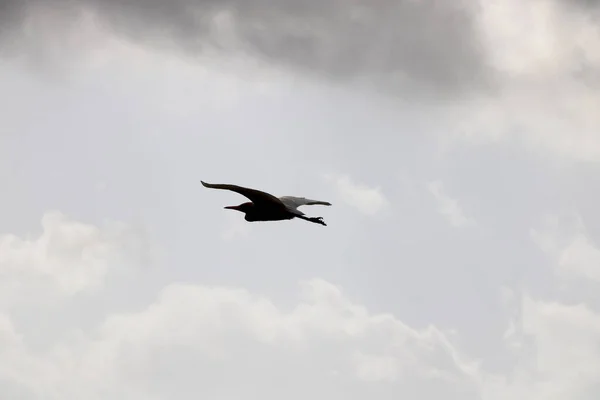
(546, 54)
(515, 71)
(566, 241)
(447, 206)
(384, 42)
(367, 200)
(196, 341)
(557, 356)
(68, 256)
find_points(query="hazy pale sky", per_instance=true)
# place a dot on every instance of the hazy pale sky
(459, 143)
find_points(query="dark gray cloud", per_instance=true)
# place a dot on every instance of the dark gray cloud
(432, 42)
(585, 3)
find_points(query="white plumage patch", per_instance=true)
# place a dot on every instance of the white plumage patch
(292, 203)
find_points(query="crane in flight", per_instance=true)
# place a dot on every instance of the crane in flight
(266, 207)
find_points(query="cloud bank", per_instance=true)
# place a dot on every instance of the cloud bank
(225, 341)
(513, 71)
(384, 41)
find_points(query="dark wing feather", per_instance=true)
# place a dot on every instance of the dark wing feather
(256, 196)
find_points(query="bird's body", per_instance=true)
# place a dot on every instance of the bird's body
(266, 207)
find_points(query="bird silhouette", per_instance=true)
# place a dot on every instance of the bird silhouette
(266, 207)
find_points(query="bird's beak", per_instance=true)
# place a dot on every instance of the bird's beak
(232, 208)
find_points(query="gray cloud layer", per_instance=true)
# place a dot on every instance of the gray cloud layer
(382, 41)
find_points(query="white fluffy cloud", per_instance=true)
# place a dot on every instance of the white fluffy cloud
(366, 199)
(221, 342)
(68, 256)
(447, 206)
(557, 352)
(566, 242)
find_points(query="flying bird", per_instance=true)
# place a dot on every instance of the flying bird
(266, 207)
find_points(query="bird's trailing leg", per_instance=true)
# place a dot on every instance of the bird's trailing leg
(316, 220)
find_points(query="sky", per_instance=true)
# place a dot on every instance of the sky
(459, 143)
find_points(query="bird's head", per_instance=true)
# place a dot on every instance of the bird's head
(244, 207)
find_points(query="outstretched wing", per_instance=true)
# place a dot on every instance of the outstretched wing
(256, 196)
(293, 203)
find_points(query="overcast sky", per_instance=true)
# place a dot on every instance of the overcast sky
(459, 143)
